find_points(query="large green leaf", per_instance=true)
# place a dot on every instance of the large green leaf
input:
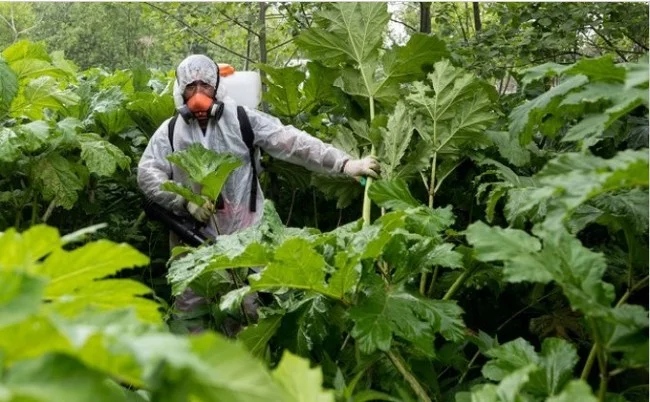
(58, 378)
(57, 178)
(256, 337)
(572, 179)
(39, 94)
(8, 85)
(22, 251)
(525, 117)
(206, 167)
(395, 141)
(458, 111)
(295, 265)
(21, 296)
(184, 191)
(604, 87)
(238, 250)
(399, 64)
(25, 49)
(576, 390)
(393, 194)
(10, 147)
(283, 85)
(300, 382)
(548, 372)
(353, 33)
(100, 156)
(73, 284)
(494, 243)
(382, 314)
(205, 367)
(563, 259)
(149, 110)
(30, 60)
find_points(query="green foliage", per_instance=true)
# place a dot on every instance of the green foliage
(80, 354)
(523, 374)
(598, 91)
(204, 167)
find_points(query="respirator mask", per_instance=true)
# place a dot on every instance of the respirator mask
(201, 106)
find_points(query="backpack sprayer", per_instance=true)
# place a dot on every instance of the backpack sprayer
(245, 88)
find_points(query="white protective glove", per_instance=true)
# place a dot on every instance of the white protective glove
(201, 214)
(367, 166)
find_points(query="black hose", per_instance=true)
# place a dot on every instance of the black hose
(185, 228)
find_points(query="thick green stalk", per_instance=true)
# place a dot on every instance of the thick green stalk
(593, 352)
(410, 378)
(602, 363)
(432, 183)
(366, 199)
(456, 285)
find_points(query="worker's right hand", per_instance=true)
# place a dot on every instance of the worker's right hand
(201, 214)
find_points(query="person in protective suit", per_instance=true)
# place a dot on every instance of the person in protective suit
(210, 119)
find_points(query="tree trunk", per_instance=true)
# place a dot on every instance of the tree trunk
(425, 17)
(477, 17)
(262, 36)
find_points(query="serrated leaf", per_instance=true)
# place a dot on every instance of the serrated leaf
(563, 259)
(58, 377)
(8, 85)
(599, 69)
(445, 256)
(396, 138)
(509, 148)
(524, 117)
(300, 382)
(256, 337)
(381, 315)
(576, 390)
(106, 295)
(353, 32)
(9, 145)
(343, 189)
(508, 358)
(183, 191)
(237, 250)
(494, 243)
(57, 178)
(283, 89)
(295, 265)
(39, 94)
(34, 134)
(150, 110)
(458, 111)
(21, 296)
(24, 49)
(393, 194)
(73, 287)
(429, 222)
(557, 360)
(100, 156)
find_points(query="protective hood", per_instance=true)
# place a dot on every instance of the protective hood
(193, 68)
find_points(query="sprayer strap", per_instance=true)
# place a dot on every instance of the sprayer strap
(249, 139)
(170, 130)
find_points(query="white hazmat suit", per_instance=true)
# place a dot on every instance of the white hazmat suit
(224, 136)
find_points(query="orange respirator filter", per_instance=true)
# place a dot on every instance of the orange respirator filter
(199, 103)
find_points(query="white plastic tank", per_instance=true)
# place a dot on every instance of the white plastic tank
(245, 87)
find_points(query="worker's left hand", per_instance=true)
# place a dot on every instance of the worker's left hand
(367, 166)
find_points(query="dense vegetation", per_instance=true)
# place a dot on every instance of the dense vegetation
(502, 256)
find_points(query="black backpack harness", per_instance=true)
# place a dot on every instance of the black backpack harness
(247, 135)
